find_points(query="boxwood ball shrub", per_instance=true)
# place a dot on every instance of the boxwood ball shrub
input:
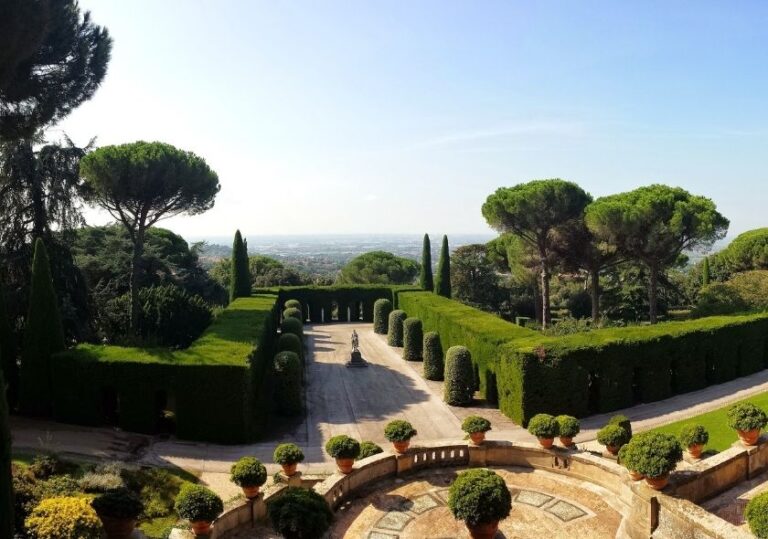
(568, 425)
(756, 514)
(381, 310)
(118, 503)
(63, 518)
(543, 426)
(292, 304)
(746, 416)
(399, 430)
(196, 502)
(395, 328)
(475, 423)
(479, 496)
(652, 454)
(291, 325)
(459, 386)
(622, 421)
(413, 339)
(693, 435)
(613, 436)
(288, 387)
(289, 342)
(300, 513)
(248, 472)
(342, 447)
(433, 356)
(368, 449)
(292, 312)
(288, 454)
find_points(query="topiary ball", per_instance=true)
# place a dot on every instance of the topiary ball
(293, 312)
(300, 513)
(248, 472)
(288, 342)
(368, 449)
(479, 496)
(292, 304)
(458, 389)
(291, 325)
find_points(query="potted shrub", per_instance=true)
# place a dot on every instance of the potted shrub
(748, 420)
(622, 421)
(612, 437)
(200, 506)
(345, 450)
(569, 427)
(481, 499)
(288, 456)
(545, 428)
(694, 438)
(476, 427)
(118, 509)
(624, 458)
(249, 474)
(368, 449)
(299, 513)
(654, 455)
(399, 432)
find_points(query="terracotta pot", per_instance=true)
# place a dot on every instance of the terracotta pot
(345, 465)
(695, 450)
(612, 449)
(290, 469)
(636, 476)
(117, 528)
(484, 531)
(250, 491)
(657, 483)
(401, 447)
(546, 443)
(201, 527)
(477, 437)
(749, 437)
(566, 441)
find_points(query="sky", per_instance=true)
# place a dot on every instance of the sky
(402, 116)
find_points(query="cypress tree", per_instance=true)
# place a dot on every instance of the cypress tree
(240, 275)
(425, 279)
(6, 490)
(443, 280)
(43, 337)
(8, 351)
(705, 277)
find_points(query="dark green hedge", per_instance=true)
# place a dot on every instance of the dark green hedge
(413, 337)
(433, 356)
(288, 391)
(217, 384)
(395, 327)
(458, 389)
(381, 309)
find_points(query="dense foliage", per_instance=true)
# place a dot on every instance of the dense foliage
(6, 492)
(622, 421)
(288, 454)
(395, 327)
(475, 423)
(479, 496)
(264, 271)
(293, 312)
(747, 291)
(474, 278)
(195, 502)
(413, 339)
(756, 514)
(248, 472)
(292, 325)
(426, 281)
(381, 310)
(543, 426)
(300, 513)
(288, 387)
(118, 503)
(433, 356)
(443, 278)
(342, 447)
(378, 267)
(746, 416)
(289, 342)
(459, 386)
(368, 449)
(568, 426)
(613, 436)
(652, 454)
(399, 430)
(693, 435)
(63, 517)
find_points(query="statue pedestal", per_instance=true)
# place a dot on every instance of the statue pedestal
(356, 360)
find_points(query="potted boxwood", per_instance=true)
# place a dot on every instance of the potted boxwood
(654, 455)
(368, 449)
(399, 432)
(545, 428)
(118, 509)
(623, 458)
(748, 420)
(249, 474)
(481, 499)
(612, 437)
(569, 427)
(200, 506)
(476, 427)
(288, 456)
(345, 450)
(299, 513)
(694, 438)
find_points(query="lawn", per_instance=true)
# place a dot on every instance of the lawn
(716, 422)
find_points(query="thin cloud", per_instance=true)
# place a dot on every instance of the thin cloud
(567, 129)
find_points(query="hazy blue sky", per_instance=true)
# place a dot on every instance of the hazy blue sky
(402, 116)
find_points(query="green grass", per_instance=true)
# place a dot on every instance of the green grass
(721, 436)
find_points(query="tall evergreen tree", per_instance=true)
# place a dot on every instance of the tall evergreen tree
(7, 351)
(705, 277)
(6, 489)
(443, 280)
(240, 280)
(43, 337)
(425, 278)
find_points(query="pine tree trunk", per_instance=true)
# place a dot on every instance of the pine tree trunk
(653, 293)
(537, 303)
(595, 295)
(138, 251)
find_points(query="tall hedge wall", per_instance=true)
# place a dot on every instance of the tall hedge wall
(217, 383)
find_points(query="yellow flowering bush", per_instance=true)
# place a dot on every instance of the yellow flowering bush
(63, 518)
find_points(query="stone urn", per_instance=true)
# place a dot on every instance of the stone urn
(345, 465)
(486, 530)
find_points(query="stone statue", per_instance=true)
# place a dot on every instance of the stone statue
(355, 341)
(356, 358)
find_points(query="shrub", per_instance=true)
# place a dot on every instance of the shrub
(58, 486)
(342, 447)
(292, 304)
(368, 449)
(693, 435)
(196, 502)
(248, 472)
(568, 425)
(475, 423)
(543, 426)
(433, 356)
(300, 513)
(399, 430)
(288, 454)
(381, 310)
(289, 342)
(718, 298)
(45, 465)
(613, 436)
(291, 325)
(413, 339)
(292, 312)
(746, 416)
(288, 387)
(63, 518)
(100, 482)
(756, 514)
(395, 329)
(459, 386)
(118, 503)
(479, 496)
(622, 421)
(652, 454)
